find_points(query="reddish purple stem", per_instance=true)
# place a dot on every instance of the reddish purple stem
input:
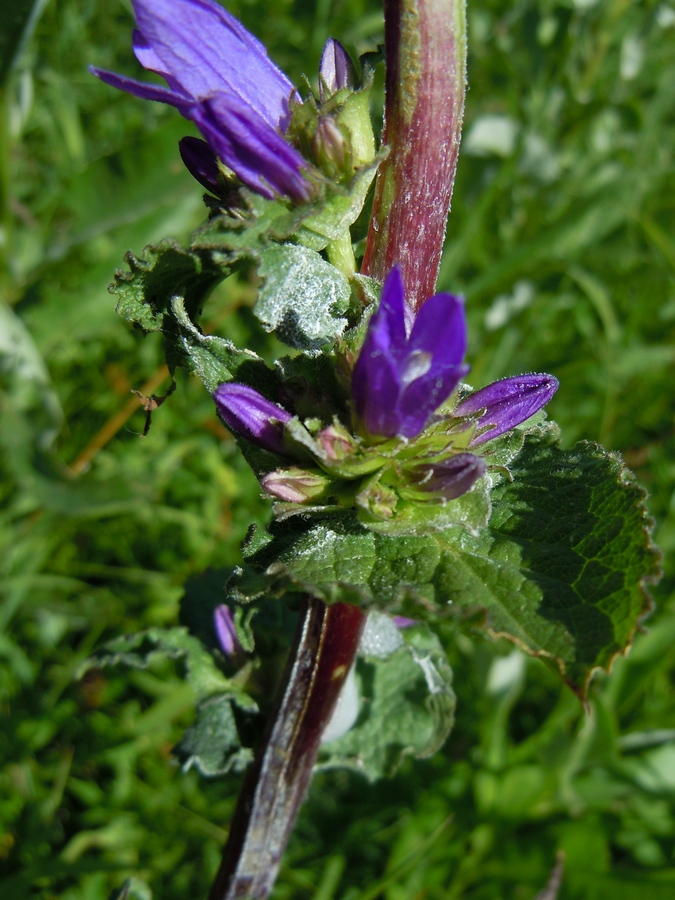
(275, 786)
(425, 44)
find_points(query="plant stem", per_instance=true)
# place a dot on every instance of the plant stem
(275, 786)
(425, 86)
(341, 254)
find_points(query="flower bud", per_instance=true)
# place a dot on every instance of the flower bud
(404, 622)
(331, 149)
(295, 485)
(201, 163)
(504, 404)
(336, 442)
(377, 500)
(446, 480)
(336, 70)
(248, 413)
(226, 632)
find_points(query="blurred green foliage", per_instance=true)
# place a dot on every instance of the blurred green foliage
(560, 237)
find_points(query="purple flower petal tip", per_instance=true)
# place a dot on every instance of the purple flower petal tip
(221, 78)
(226, 632)
(248, 413)
(336, 70)
(404, 374)
(451, 478)
(507, 403)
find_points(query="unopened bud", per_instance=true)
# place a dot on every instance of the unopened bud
(201, 163)
(331, 149)
(448, 479)
(295, 485)
(378, 500)
(336, 70)
(227, 633)
(504, 404)
(248, 413)
(336, 443)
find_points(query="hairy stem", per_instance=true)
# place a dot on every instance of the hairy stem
(275, 786)
(425, 86)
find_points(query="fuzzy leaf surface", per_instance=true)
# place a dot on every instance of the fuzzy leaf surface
(212, 744)
(302, 297)
(406, 708)
(139, 650)
(560, 569)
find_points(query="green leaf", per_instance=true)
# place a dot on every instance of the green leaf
(167, 271)
(139, 650)
(302, 297)
(406, 707)
(313, 225)
(561, 569)
(213, 358)
(213, 743)
(340, 210)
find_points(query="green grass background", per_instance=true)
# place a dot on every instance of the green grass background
(561, 238)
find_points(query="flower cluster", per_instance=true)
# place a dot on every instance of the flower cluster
(400, 429)
(220, 77)
(414, 430)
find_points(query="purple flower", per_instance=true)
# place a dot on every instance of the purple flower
(226, 632)
(409, 366)
(221, 78)
(507, 403)
(399, 380)
(248, 413)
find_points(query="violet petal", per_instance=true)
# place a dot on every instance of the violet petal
(398, 382)
(376, 378)
(507, 403)
(434, 365)
(255, 151)
(248, 413)
(226, 632)
(452, 477)
(206, 50)
(143, 90)
(336, 70)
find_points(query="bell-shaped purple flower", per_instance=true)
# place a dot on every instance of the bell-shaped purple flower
(507, 403)
(399, 380)
(221, 78)
(248, 413)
